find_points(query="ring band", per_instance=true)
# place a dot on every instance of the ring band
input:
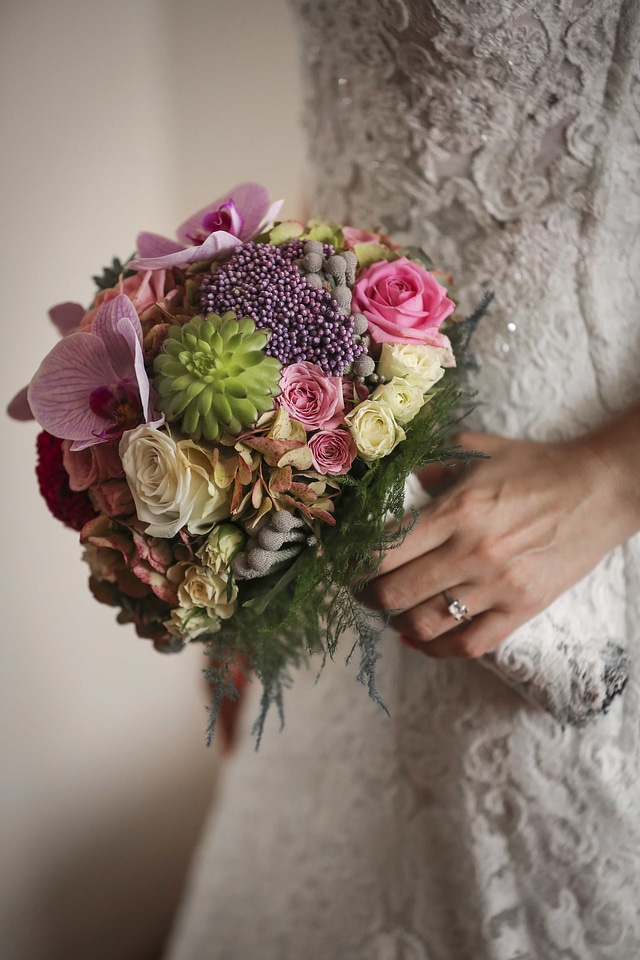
(458, 610)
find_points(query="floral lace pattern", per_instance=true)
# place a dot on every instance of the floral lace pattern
(504, 136)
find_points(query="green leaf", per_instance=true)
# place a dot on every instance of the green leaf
(235, 388)
(260, 604)
(220, 406)
(284, 231)
(370, 253)
(245, 411)
(325, 233)
(204, 401)
(110, 276)
(416, 255)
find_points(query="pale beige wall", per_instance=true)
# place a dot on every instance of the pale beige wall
(115, 117)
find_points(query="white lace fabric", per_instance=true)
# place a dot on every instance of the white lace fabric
(504, 137)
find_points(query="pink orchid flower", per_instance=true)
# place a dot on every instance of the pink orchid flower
(211, 233)
(93, 386)
(66, 317)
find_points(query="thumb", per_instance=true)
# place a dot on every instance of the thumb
(438, 477)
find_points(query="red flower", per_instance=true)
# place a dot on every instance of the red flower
(74, 508)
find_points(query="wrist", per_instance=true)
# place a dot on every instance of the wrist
(613, 456)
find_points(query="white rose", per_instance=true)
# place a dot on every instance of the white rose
(447, 358)
(171, 483)
(419, 364)
(221, 546)
(188, 623)
(374, 429)
(159, 477)
(404, 399)
(201, 587)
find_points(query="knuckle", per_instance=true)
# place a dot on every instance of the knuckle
(386, 594)
(490, 552)
(516, 581)
(425, 627)
(466, 505)
(532, 600)
(467, 648)
(522, 593)
(471, 505)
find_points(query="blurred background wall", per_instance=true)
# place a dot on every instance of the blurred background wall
(114, 117)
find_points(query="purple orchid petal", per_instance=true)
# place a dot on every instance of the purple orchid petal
(119, 339)
(119, 404)
(153, 245)
(19, 407)
(93, 386)
(141, 375)
(250, 200)
(270, 216)
(216, 246)
(228, 218)
(67, 316)
(59, 392)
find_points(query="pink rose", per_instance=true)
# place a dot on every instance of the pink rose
(353, 236)
(333, 451)
(144, 290)
(402, 302)
(91, 465)
(311, 397)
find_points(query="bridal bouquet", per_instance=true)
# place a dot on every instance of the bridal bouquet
(231, 423)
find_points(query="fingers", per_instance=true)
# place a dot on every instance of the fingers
(446, 514)
(427, 621)
(438, 477)
(432, 529)
(487, 443)
(416, 581)
(471, 640)
(465, 541)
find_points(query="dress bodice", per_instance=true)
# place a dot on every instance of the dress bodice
(503, 136)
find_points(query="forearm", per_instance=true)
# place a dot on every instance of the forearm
(616, 445)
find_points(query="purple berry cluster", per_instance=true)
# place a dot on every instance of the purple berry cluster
(262, 282)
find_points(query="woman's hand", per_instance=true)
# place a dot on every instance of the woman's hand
(506, 537)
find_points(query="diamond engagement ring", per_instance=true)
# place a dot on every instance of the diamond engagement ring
(458, 610)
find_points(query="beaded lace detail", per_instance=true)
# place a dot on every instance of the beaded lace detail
(504, 137)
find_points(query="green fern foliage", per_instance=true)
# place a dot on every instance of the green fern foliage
(287, 618)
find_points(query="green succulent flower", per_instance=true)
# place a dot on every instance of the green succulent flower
(213, 374)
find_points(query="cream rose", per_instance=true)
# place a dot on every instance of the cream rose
(171, 483)
(374, 429)
(420, 364)
(188, 623)
(201, 587)
(210, 501)
(221, 546)
(403, 399)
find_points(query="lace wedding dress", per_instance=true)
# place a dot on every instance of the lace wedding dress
(504, 137)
